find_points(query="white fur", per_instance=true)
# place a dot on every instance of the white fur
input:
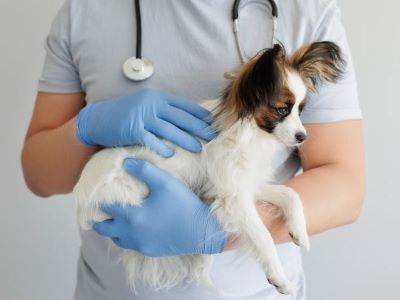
(287, 130)
(233, 170)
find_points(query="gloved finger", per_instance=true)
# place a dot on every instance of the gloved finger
(187, 122)
(172, 133)
(156, 145)
(106, 228)
(118, 242)
(151, 175)
(190, 107)
(114, 209)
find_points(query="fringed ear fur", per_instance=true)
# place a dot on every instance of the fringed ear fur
(258, 83)
(317, 62)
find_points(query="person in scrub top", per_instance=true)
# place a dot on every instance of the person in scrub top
(85, 103)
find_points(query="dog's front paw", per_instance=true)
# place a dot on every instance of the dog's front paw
(299, 235)
(280, 282)
(296, 223)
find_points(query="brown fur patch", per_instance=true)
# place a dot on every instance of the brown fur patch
(301, 106)
(267, 116)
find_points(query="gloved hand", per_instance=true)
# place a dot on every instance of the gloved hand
(172, 221)
(140, 118)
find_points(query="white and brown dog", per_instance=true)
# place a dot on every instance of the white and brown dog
(259, 111)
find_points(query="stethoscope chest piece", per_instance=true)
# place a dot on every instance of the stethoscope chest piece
(138, 68)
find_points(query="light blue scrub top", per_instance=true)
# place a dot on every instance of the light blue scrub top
(191, 44)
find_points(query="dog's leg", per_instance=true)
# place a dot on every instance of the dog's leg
(292, 208)
(240, 215)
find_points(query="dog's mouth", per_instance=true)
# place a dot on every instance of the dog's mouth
(298, 144)
(291, 143)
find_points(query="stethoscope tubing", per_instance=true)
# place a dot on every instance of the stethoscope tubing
(235, 9)
(235, 20)
(147, 67)
(138, 30)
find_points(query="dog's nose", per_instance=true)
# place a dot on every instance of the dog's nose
(300, 137)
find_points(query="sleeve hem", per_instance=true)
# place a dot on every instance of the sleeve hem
(63, 87)
(330, 116)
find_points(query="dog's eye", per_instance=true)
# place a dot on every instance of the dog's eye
(283, 111)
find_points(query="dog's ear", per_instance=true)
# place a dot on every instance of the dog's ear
(261, 81)
(317, 62)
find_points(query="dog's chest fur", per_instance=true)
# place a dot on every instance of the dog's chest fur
(238, 159)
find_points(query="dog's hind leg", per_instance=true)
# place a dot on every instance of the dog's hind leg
(290, 203)
(241, 216)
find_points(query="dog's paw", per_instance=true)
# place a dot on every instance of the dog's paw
(299, 236)
(276, 277)
(281, 284)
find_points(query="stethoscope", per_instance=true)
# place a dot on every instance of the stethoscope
(140, 68)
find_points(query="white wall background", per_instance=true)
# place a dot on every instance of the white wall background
(39, 240)
(362, 261)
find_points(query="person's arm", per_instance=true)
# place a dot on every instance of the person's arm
(62, 135)
(332, 185)
(52, 156)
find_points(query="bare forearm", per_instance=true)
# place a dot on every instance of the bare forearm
(53, 159)
(332, 196)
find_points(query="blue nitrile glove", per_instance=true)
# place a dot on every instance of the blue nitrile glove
(141, 119)
(172, 221)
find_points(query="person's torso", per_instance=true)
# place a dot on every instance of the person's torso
(191, 44)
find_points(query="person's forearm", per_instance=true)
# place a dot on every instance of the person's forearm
(53, 159)
(332, 196)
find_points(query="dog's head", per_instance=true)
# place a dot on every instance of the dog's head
(272, 87)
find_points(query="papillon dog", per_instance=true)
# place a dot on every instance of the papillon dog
(257, 114)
